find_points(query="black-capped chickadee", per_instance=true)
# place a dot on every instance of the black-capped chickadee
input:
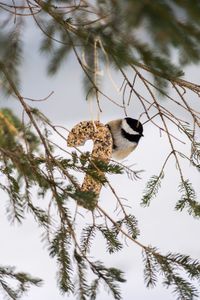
(126, 134)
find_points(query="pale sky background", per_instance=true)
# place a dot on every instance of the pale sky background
(160, 225)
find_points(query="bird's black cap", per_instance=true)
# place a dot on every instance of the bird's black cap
(135, 125)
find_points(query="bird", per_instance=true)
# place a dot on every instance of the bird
(126, 134)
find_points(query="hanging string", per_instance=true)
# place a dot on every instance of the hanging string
(94, 112)
(108, 66)
(96, 73)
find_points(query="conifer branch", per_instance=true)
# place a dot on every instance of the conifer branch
(106, 35)
(23, 280)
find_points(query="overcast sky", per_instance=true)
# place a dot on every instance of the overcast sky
(160, 224)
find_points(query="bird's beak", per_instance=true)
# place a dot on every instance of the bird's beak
(142, 134)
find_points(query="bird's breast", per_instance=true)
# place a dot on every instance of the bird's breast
(121, 152)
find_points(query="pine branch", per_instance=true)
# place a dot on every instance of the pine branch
(83, 288)
(94, 289)
(131, 224)
(106, 33)
(59, 249)
(151, 190)
(188, 199)
(150, 270)
(169, 266)
(109, 276)
(113, 244)
(87, 236)
(23, 280)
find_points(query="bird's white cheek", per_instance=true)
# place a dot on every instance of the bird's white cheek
(127, 128)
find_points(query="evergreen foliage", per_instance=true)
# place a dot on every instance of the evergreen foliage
(188, 199)
(170, 267)
(23, 280)
(152, 188)
(137, 38)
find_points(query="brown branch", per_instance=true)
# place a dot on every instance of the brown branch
(29, 113)
(181, 82)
